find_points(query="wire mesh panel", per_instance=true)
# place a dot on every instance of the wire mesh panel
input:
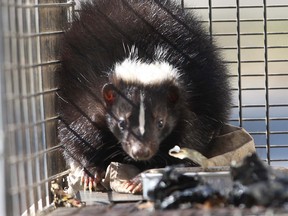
(253, 36)
(29, 36)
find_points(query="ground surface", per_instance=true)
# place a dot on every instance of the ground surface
(126, 205)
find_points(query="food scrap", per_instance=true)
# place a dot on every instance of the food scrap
(62, 199)
(191, 154)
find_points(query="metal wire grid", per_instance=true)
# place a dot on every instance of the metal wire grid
(253, 36)
(29, 38)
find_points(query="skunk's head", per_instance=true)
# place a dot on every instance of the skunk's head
(142, 102)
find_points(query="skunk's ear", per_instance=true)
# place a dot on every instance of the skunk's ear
(109, 94)
(173, 95)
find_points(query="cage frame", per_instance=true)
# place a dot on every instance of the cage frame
(16, 39)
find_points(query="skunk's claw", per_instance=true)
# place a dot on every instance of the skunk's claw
(133, 186)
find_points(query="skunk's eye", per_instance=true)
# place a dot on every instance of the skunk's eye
(122, 124)
(160, 124)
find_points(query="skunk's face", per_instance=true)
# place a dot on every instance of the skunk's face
(141, 102)
(141, 117)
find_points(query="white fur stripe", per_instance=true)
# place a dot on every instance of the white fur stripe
(142, 115)
(134, 70)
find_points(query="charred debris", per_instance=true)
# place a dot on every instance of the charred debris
(253, 184)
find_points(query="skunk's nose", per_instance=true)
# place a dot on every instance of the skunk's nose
(141, 153)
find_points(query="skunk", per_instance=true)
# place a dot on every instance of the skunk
(136, 78)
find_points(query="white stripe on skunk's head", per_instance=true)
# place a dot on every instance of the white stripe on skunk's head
(134, 70)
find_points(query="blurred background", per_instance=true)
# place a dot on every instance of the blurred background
(252, 36)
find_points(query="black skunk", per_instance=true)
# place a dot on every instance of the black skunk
(137, 78)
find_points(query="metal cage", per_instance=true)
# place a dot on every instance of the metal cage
(253, 36)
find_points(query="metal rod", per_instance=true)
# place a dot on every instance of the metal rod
(266, 81)
(239, 73)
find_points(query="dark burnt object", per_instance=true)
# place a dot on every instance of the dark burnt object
(176, 189)
(255, 183)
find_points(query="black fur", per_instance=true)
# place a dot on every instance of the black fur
(97, 40)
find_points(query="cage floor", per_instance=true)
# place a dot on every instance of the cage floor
(112, 204)
(127, 209)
